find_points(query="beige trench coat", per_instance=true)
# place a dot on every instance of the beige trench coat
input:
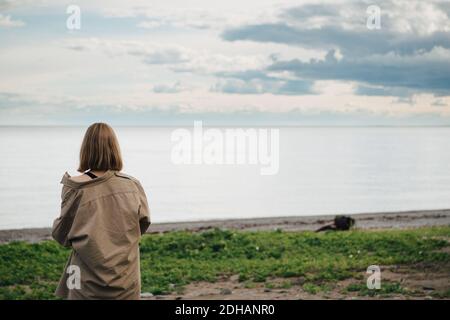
(102, 220)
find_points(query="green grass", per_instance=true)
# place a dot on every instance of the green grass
(172, 260)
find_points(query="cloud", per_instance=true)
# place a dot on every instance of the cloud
(350, 42)
(260, 85)
(169, 88)
(409, 54)
(218, 108)
(150, 53)
(406, 27)
(164, 56)
(206, 63)
(439, 103)
(378, 75)
(7, 22)
(287, 62)
(368, 90)
(175, 57)
(427, 71)
(161, 16)
(195, 19)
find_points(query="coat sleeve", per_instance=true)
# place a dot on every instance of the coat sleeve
(63, 224)
(144, 211)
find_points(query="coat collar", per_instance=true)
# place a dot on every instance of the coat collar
(68, 181)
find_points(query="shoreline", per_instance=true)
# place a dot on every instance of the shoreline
(381, 220)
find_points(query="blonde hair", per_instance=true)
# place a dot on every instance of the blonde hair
(100, 149)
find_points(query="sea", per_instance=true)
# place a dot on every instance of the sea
(322, 170)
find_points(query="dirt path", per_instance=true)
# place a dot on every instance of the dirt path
(414, 282)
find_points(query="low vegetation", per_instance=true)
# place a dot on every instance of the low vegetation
(170, 261)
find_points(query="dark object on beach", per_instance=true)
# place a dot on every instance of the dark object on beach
(341, 223)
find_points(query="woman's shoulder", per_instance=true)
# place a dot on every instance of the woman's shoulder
(126, 176)
(132, 179)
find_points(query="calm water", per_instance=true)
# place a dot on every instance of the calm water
(322, 171)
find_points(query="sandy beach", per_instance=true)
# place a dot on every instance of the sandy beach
(382, 220)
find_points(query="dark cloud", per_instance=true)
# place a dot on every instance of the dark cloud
(421, 73)
(350, 42)
(388, 61)
(382, 75)
(331, 26)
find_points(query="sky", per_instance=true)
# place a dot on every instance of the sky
(225, 62)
